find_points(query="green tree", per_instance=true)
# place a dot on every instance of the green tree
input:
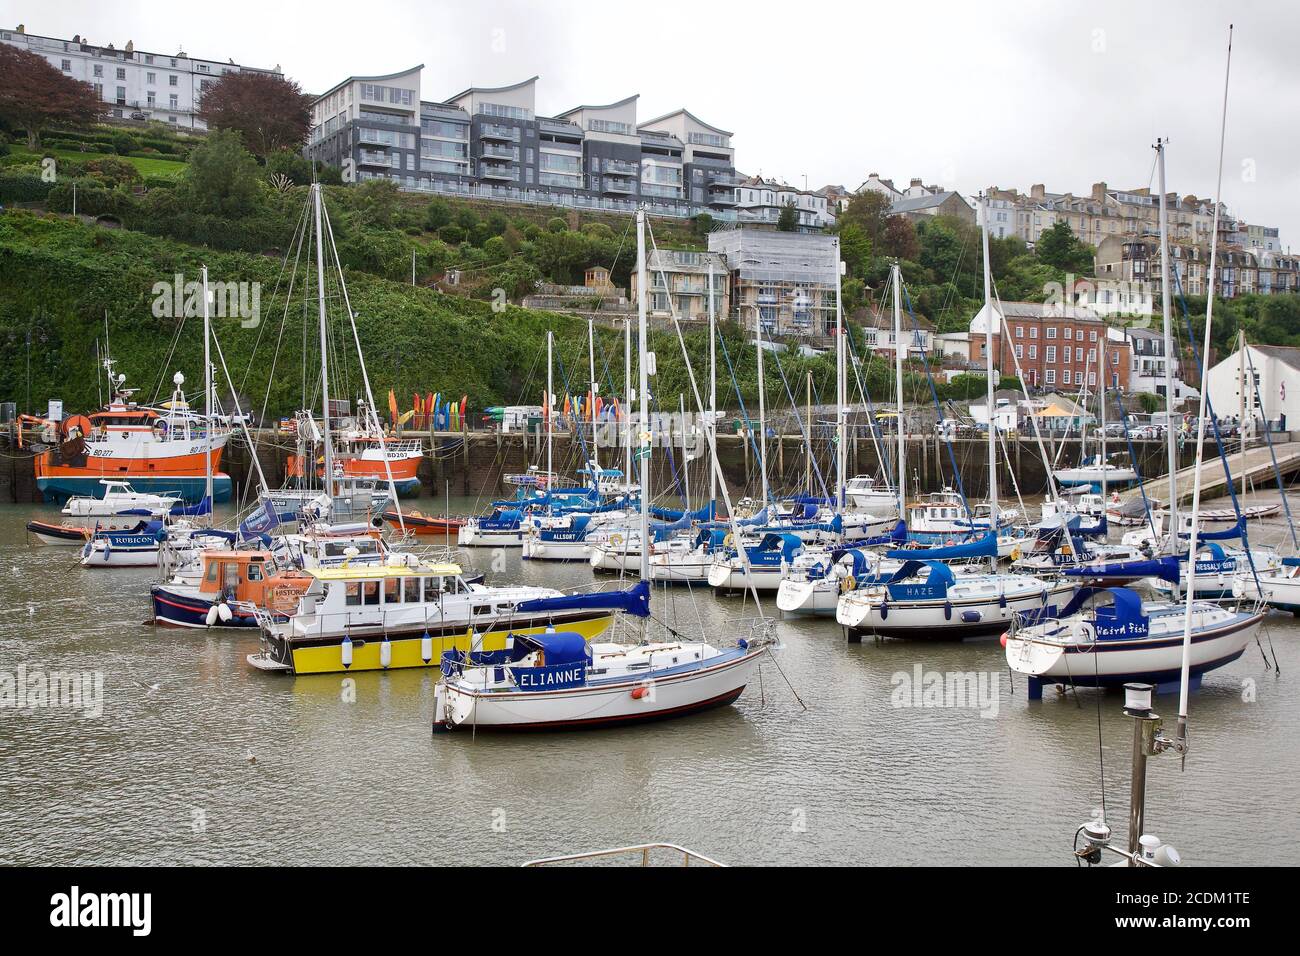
(1061, 248)
(267, 110)
(788, 221)
(222, 177)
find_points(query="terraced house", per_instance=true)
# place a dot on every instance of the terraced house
(491, 143)
(135, 85)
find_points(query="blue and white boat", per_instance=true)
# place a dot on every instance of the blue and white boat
(769, 562)
(1122, 638)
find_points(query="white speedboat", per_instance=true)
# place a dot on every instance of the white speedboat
(1125, 639)
(558, 680)
(120, 499)
(867, 494)
(926, 600)
(1094, 472)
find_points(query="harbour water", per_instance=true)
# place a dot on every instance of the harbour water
(198, 758)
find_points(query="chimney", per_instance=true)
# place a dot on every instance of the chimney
(21, 29)
(1037, 191)
(130, 46)
(1099, 192)
(916, 182)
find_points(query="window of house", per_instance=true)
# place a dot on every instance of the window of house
(1069, 332)
(1033, 331)
(1051, 332)
(67, 66)
(1050, 376)
(1033, 351)
(1065, 377)
(173, 80)
(1051, 354)
(121, 73)
(1020, 331)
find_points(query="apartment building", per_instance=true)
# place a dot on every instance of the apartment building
(679, 284)
(134, 84)
(1051, 346)
(491, 143)
(761, 201)
(784, 281)
(1239, 270)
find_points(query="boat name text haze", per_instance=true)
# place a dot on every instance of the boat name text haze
(74, 909)
(227, 300)
(977, 690)
(38, 689)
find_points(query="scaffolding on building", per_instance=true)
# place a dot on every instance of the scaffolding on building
(785, 280)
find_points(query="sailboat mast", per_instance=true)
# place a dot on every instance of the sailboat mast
(1166, 310)
(591, 404)
(839, 386)
(1101, 391)
(326, 440)
(1200, 425)
(643, 390)
(897, 278)
(762, 406)
(713, 379)
(207, 398)
(686, 453)
(627, 398)
(550, 405)
(988, 354)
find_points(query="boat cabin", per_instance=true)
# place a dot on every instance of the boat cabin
(252, 577)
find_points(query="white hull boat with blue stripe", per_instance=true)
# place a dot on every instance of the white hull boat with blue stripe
(1218, 570)
(1126, 639)
(557, 681)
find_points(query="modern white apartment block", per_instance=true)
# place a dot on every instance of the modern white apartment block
(492, 143)
(134, 84)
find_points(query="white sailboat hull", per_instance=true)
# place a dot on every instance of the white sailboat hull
(595, 704)
(950, 619)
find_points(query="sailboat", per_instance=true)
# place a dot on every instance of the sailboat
(557, 679)
(924, 598)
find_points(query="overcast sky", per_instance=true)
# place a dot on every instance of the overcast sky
(961, 94)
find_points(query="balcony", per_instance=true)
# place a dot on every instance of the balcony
(618, 167)
(618, 186)
(722, 199)
(505, 134)
(499, 152)
(725, 181)
(493, 171)
(370, 157)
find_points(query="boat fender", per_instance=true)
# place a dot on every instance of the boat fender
(377, 521)
(884, 610)
(385, 653)
(1238, 588)
(1015, 553)
(224, 612)
(426, 647)
(947, 610)
(211, 616)
(970, 617)
(639, 693)
(346, 648)
(1002, 601)
(847, 584)
(1003, 639)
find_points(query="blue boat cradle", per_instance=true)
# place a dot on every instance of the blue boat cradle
(634, 600)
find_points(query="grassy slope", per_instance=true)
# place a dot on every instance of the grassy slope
(147, 165)
(59, 278)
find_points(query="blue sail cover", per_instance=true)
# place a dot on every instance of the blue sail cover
(1238, 530)
(577, 529)
(634, 600)
(776, 547)
(560, 647)
(707, 513)
(1166, 568)
(983, 547)
(713, 539)
(1121, 619)
(506, 519)
(933, 588)
(204, 507)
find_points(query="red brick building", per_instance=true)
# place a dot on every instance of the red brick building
(1061, 347)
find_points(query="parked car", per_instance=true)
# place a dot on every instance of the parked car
(137, 115)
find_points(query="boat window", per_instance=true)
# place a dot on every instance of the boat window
(354, 593)
(370, 590)
(212, 571)
(231, 569)
(412, 590)
(433, 589)
(393, 591)
(254, 572)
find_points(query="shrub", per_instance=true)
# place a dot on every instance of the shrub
(23, 188)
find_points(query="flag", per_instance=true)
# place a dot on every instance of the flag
(262, 520)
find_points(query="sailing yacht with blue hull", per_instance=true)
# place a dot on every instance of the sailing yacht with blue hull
(1125, 639)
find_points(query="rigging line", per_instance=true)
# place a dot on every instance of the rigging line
(243, 384)
(1272, 453)
(1142, 488)
(934, 393)
(1223, 457)
(877, 439)
(711, 432)
(803, 430)
(744, 414)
